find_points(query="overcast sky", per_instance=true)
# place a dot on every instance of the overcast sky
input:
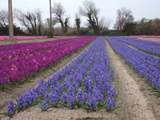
(140, 8)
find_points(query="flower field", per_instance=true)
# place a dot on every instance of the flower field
(105, 78)
(21, 60)
(70, 60)
(86, 82)
(24, 37)
(146, 64)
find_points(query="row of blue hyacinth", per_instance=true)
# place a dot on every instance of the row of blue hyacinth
(150, 47)
(147, 65)
(84, 83)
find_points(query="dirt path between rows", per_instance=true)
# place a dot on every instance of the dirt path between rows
(35, 113)
(133, 104)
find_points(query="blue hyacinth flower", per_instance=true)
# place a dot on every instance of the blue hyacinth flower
(44, 105)
(10, 109)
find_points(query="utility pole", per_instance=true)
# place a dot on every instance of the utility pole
(50, 21)
(10, 19)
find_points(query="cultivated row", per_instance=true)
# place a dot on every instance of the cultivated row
(146, 46)
(84, 83)
(17, 63)
(147, 65)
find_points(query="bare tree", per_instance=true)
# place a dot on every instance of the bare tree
(58, 11)
(103, 25)
(3, 18)
(39, 22)
(78, 23)
(148, 26)
(47, 22)
(66, 24)
(21, 17)
(46, 26)
(90, 11)
(32, 21)
(124, 16)
(156, 26)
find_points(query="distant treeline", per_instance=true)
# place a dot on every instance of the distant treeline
(143, 27)
(17, 30)
(126, 25)
(33, 23)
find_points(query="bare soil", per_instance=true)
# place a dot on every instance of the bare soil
(62, 114)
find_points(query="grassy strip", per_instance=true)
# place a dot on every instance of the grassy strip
(3, 42)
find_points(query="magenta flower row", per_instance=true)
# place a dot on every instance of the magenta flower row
(21, 60)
